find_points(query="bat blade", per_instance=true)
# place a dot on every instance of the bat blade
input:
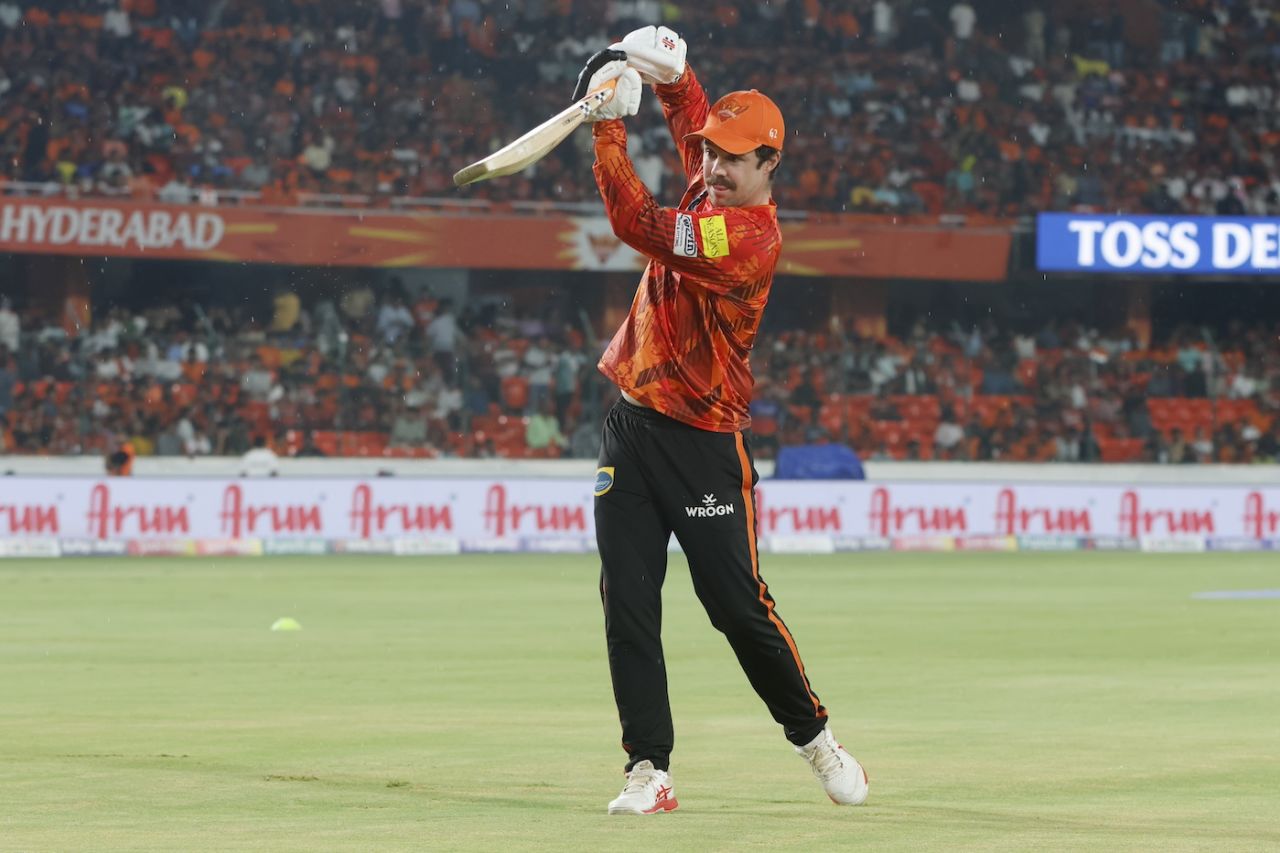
(537, 143)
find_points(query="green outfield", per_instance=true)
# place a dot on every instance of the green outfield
(1000, 702)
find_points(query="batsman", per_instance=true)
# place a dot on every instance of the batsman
(675, 456)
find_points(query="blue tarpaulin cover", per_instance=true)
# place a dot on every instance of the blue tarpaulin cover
(818, 462)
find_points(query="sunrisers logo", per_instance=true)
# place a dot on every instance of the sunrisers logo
(730, 110)
(709, 507)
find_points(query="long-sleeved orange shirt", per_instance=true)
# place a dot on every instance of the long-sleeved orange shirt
(685, 346)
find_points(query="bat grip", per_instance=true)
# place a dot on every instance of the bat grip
(597, 61)
(598, 97)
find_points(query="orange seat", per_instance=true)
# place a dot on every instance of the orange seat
(832, 417)
(510, 446)
(515, 392)
(184, 394)
(326, 442)
(363, 443)
(1117, 449)
(484, 423)
(860, 401)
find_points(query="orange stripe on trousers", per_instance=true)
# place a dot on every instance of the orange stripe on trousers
(749, 502)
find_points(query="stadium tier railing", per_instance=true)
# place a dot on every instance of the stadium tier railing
(197, 196)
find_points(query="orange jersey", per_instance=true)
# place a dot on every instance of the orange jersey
(684, 349)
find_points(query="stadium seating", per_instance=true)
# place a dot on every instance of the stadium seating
(414, 91)
(1098, 400)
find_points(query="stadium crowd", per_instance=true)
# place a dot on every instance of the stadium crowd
(893, 106)
(420, 378)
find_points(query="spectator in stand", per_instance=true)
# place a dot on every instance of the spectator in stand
(915, 378)
(543, 430)
(200, 444)
(476, 399)
(805, 396)
(586, 439)
(8, 379)
(1202, 446)
(568, 365)
(260, 461)
(286, 309)
(141, 375)
(963, 20)
(394, 320)
(1068, 447)
(444, 337)
(1269, 444)
(536, 367)
(308, 448)
(408, 428)
(991, 123)
(948, 438)
(1179, 452)
(258, 381)
(10, 325)
(119, 461)
(448, 409)
(168, 443)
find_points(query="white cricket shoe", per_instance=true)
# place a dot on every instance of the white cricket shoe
(648, 791)
(841, 775)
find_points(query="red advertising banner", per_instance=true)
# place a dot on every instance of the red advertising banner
(301, 237)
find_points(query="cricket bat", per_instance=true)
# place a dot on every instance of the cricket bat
(537, 143)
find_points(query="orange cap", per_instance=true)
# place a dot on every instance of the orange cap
(741, 122)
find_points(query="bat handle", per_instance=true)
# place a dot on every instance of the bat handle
(598, 97)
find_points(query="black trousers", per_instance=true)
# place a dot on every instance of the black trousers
(659, 476)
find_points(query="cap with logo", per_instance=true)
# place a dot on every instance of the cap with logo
(741, 122)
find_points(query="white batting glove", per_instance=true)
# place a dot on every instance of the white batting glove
(626, 94)
(658, 53)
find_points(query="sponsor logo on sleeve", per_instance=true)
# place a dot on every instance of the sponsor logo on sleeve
(604, 481)
(685, 244)
(715, 237)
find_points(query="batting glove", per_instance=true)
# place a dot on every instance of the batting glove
(598, 60)
(658, 53)
(600, 69)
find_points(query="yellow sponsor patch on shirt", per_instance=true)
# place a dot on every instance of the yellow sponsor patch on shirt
(715, 237)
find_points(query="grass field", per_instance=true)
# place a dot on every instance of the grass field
(999, 702)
